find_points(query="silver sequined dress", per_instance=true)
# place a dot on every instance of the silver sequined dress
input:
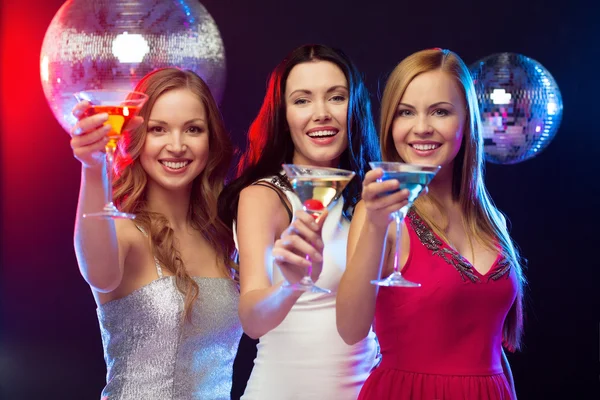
(151, 355)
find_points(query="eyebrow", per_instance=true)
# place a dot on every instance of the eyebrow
(331, 89)
(439, 103)
(157, 121)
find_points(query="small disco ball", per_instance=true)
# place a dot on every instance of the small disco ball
(520, 104)
(112, 44)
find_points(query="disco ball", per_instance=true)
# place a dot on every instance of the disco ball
(520, 104)
(112, 44)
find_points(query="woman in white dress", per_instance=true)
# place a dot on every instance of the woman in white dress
(316, 112)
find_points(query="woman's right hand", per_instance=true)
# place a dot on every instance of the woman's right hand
(89, 135)
(302, 238)
(382, 199)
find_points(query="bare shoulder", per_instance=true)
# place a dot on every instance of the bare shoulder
(259, 191)
(261, 203)
(128, 234)
(260, 221)
(263, 197)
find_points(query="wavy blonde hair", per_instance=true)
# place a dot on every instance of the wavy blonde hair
(130, 183)
(481, 219)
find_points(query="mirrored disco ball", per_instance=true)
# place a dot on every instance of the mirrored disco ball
(112, 44)
(521, 106)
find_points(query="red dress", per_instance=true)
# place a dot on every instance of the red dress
(442, 340)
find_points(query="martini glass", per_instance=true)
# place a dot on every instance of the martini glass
(318, 189)
(121, 106)
(415, 178)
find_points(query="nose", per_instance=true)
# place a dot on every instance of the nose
(422, 125)
(322, 112)
(177, 144)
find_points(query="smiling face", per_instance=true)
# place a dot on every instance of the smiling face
(176, 147)
(430, 120)
(316, 101)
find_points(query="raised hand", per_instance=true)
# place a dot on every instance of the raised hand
(302, 238)
(382, 199)
(89, 135)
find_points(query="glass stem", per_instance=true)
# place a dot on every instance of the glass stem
(399, 215)
(308, 275)
(110, 157)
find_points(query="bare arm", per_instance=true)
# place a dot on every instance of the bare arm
(355, 304)
(509, 376)
(100, 254)
(262, 219)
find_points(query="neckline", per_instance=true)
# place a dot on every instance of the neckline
(444, 245)
(465, 260)
(155, 282)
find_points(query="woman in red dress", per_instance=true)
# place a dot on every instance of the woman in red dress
(445, 339)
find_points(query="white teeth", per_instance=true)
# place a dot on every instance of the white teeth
(425, 147)
(322, 133)
(175, 165)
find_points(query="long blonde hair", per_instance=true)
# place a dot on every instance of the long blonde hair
(131, 181)
(482, 220)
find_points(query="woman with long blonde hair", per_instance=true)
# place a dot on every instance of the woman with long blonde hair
(445, 339)
(167, 300)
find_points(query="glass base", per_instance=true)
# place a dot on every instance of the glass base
(110, 211)
(395, 280)
(306, 285)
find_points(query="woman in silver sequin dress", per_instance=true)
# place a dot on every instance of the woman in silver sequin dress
(167, 303)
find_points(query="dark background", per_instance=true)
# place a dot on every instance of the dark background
(50, 343)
